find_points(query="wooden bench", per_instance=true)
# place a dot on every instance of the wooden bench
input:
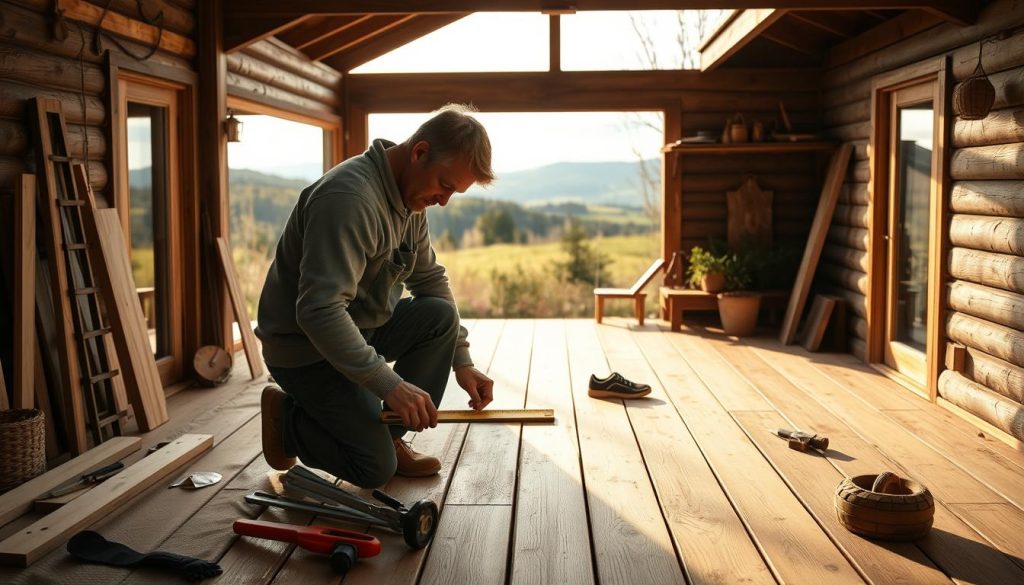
(634, 292)
(674, 301)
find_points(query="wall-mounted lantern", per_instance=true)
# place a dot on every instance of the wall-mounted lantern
(233, 127)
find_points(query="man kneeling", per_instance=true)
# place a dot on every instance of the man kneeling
(332, 315)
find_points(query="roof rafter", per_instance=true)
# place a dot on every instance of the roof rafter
(402, 34)
(316, 28)
(745, 27)
(351, 36)
(241, 31)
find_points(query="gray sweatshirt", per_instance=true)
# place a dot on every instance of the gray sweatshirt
(348, 249)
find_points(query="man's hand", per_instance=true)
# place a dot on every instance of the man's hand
(477, 385)
(413, 405)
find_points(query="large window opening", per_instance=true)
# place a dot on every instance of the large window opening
(267, 170)
(576, 205)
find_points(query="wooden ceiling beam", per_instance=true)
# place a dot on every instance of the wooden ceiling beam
(792, 34)
(562, 90)
(740, 31)
(402, 34)
(354, 35)
(832, 22)
(957, 11)
(242, 31)
(316, 28)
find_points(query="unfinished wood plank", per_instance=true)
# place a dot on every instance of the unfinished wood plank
(113, 270)
(1000, 523)
(24, 548)
(551, 542)
(796, 548)
(817, 321)
(854, 455)
(498, 415)
(630, 539)
(25, 252)
(19, 500)
(487, 467)
(815, 241)
(749, 219)
(708, 533)
(469, 546)
(252, 353)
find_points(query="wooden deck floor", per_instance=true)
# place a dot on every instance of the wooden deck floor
(687, 486)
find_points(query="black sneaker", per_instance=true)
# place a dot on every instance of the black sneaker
(616, 386)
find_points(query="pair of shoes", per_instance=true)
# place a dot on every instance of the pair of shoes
(413, 464)
(271, 408)
(616, 386)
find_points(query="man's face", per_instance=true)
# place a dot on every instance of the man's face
(425, 183)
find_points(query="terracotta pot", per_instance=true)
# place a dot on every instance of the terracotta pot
(712, 282)
(738, 311)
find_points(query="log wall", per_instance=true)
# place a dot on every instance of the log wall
(985, 291)
(274, 74)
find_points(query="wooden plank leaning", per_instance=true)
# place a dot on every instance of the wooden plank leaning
(815, 241)
(19, 500)
(24, 291)
(32, 542)
(109, 255)
(252, 354)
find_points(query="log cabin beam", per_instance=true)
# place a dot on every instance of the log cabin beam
(831, 22)
(570, 90)
(354, 36)
(730, 39)
(954, 11)
(791, 35)
(123, 26)
(317, 28)
(243, 31)
(390, 40)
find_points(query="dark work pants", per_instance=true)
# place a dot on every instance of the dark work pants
(332, 423)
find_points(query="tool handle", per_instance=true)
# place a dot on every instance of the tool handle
(103, 472)
(270, 530)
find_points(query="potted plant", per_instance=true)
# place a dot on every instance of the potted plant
(737, 304)
(706, 270)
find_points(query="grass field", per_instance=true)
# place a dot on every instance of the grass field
(473, 272)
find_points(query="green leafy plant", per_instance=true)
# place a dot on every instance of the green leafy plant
(704, 262)
(739, 271)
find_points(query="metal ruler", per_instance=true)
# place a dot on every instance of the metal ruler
(537, 415)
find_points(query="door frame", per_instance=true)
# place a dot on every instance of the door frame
(183, 219)
(883, 86)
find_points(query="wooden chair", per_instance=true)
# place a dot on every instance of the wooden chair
(634, 292)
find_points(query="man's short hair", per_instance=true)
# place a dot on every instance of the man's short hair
(452, 132)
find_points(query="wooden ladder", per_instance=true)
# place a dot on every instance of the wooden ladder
(79, 314)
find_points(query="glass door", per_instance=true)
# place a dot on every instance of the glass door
(912, 195)
(148, 201)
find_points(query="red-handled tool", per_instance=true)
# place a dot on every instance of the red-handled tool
(343, 546)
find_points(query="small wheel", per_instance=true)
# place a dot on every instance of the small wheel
(419, 524)
(905, 515)
(343, 558)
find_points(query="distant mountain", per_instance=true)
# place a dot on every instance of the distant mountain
(616, 183)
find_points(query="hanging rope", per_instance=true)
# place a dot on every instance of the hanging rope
(157, 21)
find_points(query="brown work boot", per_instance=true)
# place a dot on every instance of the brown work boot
(271, 407)
(413, 464)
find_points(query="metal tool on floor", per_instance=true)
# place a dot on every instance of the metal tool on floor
(801, 441)
(343, 547)
(88, 479)
(416, 524)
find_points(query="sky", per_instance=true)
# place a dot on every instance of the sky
(507, 42)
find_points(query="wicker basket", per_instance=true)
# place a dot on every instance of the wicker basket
(22, 446)
(973, 99)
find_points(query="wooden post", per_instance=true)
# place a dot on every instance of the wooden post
(956, 357)
(24, 291)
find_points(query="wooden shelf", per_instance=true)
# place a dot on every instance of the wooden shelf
(750, 148)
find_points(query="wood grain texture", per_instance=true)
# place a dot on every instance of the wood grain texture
(630, 539)
(999, 198)
(551, 541)
(793, 544)
(227, 265)
(817, 321)
(487, 467)
(998, 306)
(1002, 161)
(1003, 342)
(995, 374)
(465, 546)
(113, 269)
(24, 253)
(1004, 271)
(708, 533)
(23, 548)
(1003, 413)
(1003, 235)
(815, 241)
